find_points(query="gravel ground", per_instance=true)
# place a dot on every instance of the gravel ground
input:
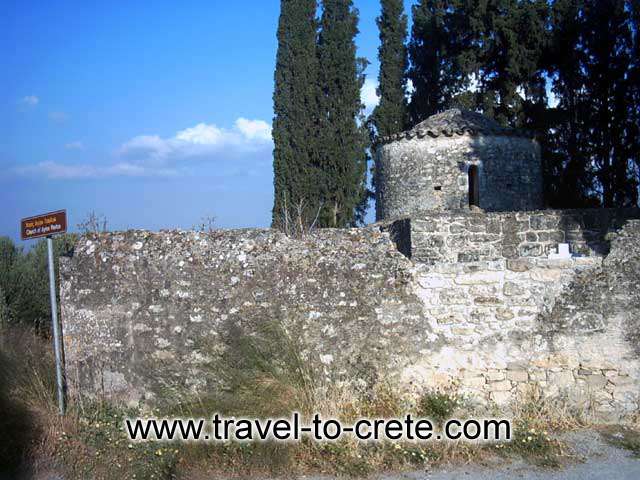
(594, 460)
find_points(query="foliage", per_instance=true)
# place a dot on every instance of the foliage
(206, 224)
(341, 140)
(434, 46)
(390, 114)
(15, 427)
(438, 405)
(622, 436)
(24, 281)
(295, 159)
(536, 446)
(319, 135)
(595, 137)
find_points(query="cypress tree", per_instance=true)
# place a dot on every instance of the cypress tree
(390, 114)
(511, 44)
(568, 178)
(295, 108)
(341, 141)
(433, 49)
(634, 81)
(596, 138)
(607, 41)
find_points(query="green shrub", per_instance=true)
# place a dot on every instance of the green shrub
(533, 445)
(438, 405)
(24, 281)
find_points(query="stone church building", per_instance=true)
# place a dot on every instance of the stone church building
(454, 160)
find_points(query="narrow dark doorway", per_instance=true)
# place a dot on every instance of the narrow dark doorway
(474, 186)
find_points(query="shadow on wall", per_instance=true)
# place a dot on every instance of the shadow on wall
(400, 234)
(587, 230)
(503, 173)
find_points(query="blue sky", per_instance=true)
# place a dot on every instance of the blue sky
(155, 114)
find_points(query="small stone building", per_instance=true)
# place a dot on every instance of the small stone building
(454, 160)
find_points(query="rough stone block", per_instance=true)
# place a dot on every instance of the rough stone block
(518, 264)
(596, 382)
(495, 375)
(503, 313)
(517, 375)
(500, 386)
(550, 275)
(501, 398)
(512, 289)
(487, 301)
(563, 379)
(530, 250)
(480, 278)
(433, 281)
(474, 382)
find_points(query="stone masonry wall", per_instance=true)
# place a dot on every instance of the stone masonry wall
(147, 313)
(421, 175)
(467, 236)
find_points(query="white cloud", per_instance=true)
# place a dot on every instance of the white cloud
(254, 129)
(206, 140)
(30, 100)
(369, 95)
(201, 134)
(55, 170)
(152, 155)
(77, 145)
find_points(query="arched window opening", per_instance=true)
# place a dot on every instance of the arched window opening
(474, 186)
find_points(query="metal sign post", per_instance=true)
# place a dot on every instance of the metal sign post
(57, 341)
(45, 226)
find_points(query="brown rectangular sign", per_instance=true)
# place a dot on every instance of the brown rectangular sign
(43, 225)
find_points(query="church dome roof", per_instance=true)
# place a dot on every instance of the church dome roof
(456, 121)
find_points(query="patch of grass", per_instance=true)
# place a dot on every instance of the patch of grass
(95, 445)
(26, 380)
(534, 446)
(536, 421)
(87, 443)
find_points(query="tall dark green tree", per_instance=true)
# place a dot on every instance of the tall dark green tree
(505, 44)
(568, 176)
(434, 71)
(390, 116)
(480, 54)
(342, 141)
(634, 81)
(608, 64)
(295, 163)
(592, 67)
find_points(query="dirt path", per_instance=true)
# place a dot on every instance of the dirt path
(595, 459)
